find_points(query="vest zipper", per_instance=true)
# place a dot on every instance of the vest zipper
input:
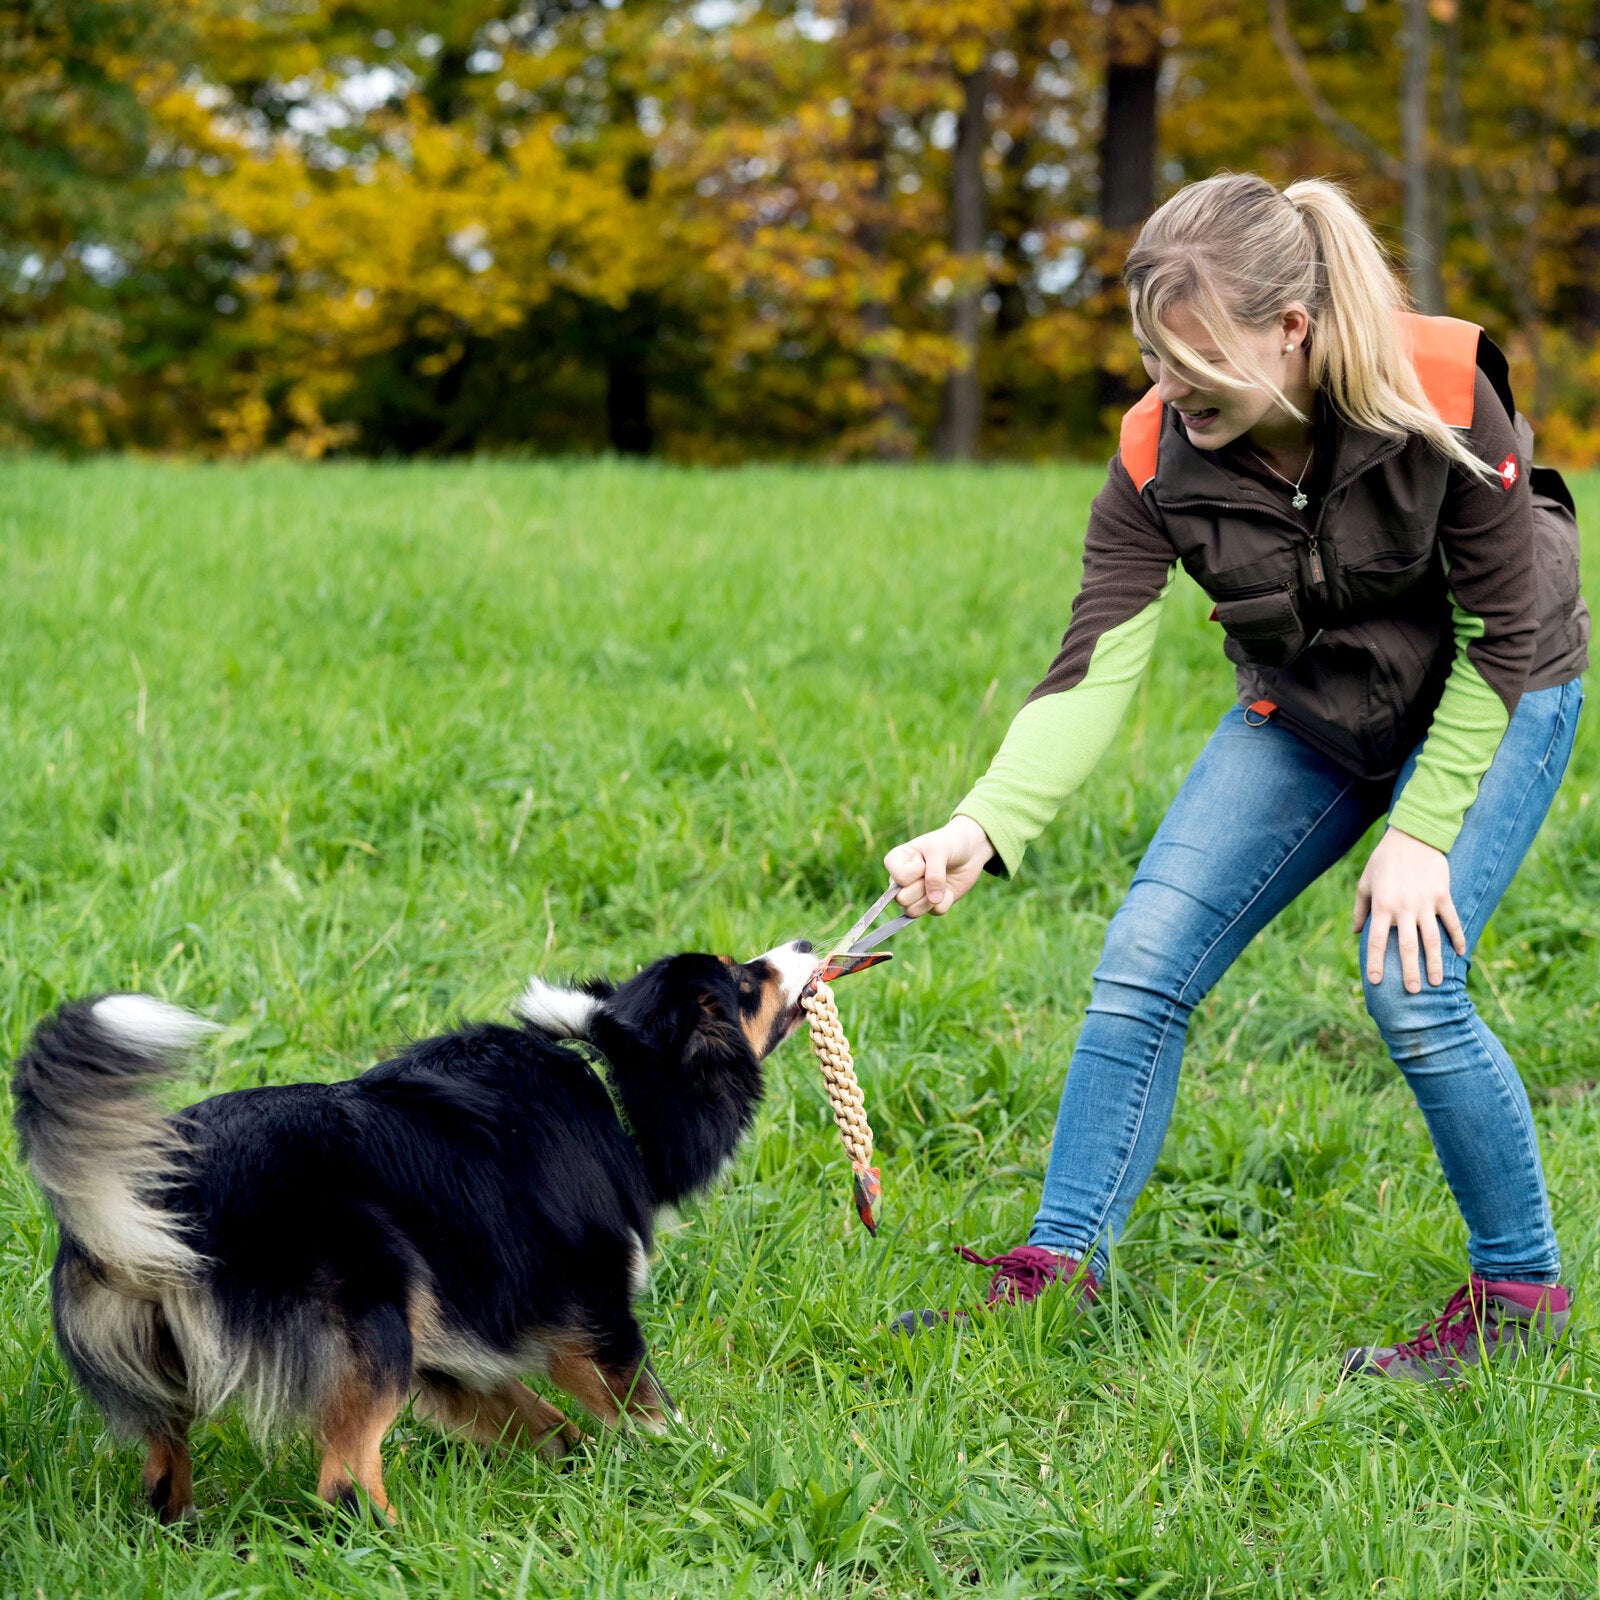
(1314, 534)
(1235, 505)
(1389, 450)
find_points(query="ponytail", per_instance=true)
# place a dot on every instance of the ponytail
(1235, 251)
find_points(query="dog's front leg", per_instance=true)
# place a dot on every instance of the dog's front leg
(510, 1414)
(168, 1478)
(350, 1431)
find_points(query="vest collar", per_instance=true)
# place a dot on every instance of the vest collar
(1187, 475)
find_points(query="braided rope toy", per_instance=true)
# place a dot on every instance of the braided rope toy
(832, 1051)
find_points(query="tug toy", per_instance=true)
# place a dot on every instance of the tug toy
(832, 1051)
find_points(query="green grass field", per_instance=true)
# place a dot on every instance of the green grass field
(338, 755)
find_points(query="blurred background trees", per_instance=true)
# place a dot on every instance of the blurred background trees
(828, 228)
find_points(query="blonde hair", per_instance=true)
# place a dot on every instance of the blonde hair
(1236, 252)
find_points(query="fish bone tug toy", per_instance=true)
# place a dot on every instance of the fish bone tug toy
(832, 1050)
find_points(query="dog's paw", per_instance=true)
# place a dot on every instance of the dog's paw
(560, 1443)
(352, 1504)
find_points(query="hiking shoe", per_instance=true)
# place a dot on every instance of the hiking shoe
(1485, 1318)
(1021, 1276)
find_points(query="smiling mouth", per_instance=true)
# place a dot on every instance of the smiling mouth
(1197, 418)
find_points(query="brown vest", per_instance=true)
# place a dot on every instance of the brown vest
(1354, 662)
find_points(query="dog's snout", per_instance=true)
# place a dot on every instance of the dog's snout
(794, 966)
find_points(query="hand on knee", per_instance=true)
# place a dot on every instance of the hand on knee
(1406, 889)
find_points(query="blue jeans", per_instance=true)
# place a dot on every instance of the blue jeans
(1261, 816)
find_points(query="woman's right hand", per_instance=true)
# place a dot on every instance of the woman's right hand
(935, 869)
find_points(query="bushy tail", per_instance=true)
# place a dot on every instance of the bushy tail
(98, 1145)
(562, 1013)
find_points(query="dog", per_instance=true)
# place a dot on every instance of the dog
(474, 1209)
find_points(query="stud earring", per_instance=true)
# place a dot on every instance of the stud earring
(1288, 349)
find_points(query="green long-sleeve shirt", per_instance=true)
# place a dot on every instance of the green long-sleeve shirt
(1070, 719)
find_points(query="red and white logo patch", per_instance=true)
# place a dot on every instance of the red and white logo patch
(1508, 472)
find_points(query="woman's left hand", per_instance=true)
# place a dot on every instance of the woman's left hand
(1407, 887)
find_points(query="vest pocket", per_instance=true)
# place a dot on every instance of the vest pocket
(1265, 627)
(1382, 582)
(1364, 694)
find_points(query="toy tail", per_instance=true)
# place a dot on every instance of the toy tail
(869, 1196)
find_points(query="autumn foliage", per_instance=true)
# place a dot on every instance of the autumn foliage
(729, 229)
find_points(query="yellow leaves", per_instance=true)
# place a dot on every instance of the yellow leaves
(244, 426)
(479, 237)
(439, 236)
(58, 380)
(759, 211)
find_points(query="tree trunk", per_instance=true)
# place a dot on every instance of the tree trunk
(963, 392)
(628, 382)
(891, 435)
(1127, 164)
(1422, 242)
(1128, 134)
(1586, 252)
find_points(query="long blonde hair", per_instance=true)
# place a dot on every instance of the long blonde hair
(1236, 251)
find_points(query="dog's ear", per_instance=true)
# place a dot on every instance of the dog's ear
(717, 1045)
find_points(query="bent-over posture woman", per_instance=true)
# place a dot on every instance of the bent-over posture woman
(1397, 587)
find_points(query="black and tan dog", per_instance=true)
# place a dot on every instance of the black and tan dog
(478, 1208)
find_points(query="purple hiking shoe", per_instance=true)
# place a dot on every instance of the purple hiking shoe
(1021, 1276)
(1484, 1320)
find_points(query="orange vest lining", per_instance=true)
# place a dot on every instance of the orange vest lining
(1444, 351)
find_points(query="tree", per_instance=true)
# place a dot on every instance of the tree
(963, 388)
(1128, 127)
(847, 228)
(84, 195)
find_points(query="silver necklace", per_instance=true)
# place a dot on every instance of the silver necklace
(1298, 499)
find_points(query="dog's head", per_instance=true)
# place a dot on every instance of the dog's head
(685, 1039)
(699, 1010)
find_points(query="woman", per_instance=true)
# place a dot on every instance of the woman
(1398, 590)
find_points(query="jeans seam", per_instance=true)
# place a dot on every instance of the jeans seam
(1503, 837)
(1532, 1171)
(1109, 1199)
(1469, 1013)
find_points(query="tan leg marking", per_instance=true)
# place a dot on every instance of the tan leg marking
(351, 1432)
(511, 1414)
(168, 1477)
(605, 1388)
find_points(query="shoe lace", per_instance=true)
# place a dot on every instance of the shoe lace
(1020, 1276)
(1454, 1328)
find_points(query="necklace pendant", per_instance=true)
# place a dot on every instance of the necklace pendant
(1299, 500)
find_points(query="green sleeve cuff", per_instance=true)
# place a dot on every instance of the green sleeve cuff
(1055, 742)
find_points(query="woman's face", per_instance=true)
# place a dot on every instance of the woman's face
(1213, 417)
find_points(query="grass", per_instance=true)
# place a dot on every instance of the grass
(338, 755)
